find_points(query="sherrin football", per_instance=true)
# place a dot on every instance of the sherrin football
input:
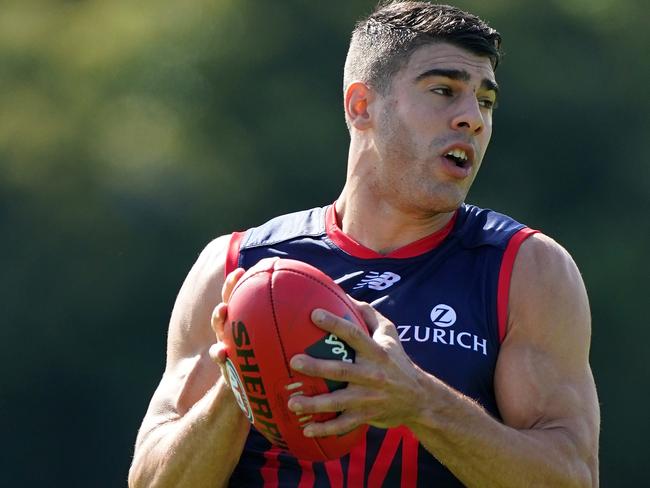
(269, 321)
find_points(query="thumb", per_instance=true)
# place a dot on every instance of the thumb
(374, 320)
(218, 354)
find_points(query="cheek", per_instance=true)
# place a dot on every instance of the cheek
(425, 117)
(485, 136)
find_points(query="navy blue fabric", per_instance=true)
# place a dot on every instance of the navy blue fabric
(459, 276)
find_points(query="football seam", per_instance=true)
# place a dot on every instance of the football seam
(338, 292)
(275, 321)
(277, 328)
(333, 290)
(317, 441)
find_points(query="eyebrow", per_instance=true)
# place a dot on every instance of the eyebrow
(458, 74)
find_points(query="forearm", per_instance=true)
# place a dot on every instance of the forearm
(481, 451)
(198, 449)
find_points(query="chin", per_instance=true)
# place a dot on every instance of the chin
(445, 201)
(438, 207)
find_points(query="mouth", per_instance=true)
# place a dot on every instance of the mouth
(461, 155)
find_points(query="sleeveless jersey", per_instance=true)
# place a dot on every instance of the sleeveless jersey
(446, 294)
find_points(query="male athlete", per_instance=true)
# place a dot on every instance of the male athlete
(477, 369)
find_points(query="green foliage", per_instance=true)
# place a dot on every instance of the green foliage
(132, 133)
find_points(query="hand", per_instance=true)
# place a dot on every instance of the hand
(384, 385)
(217, 351)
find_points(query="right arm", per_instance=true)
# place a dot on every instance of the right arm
(193, 432)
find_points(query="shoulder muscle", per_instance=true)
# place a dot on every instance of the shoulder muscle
(548, 300)
(543, 376)
(190, 332)
(189, 371)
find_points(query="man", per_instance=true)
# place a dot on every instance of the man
(477, 369)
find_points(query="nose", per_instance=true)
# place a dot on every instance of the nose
(469, 117)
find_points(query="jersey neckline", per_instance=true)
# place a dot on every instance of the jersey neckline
(358, 250)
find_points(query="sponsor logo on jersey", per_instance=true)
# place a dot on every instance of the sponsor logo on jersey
(443, 318)
(443, 315)
(376, 281)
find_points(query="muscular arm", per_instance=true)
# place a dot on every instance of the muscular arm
(544, 386)
(193, 432)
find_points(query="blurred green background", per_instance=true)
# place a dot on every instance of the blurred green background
(132, 133)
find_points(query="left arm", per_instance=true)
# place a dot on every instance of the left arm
(543, 383)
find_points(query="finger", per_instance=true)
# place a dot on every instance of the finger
(370, 315)
(217, 353)
(333, 369)
(344, 329)
(218, 319)
(230, 282)
(375, 303)
(342, 424)
(374, 320)
(336, 401)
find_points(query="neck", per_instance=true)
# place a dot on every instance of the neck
(379, 224)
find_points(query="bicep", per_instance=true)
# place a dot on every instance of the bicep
(189, 371)
(190, 332)
(543, 378)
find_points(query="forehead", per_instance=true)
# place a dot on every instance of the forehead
(443, 55)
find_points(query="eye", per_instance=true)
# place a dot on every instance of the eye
(442, 90)
(487, 103)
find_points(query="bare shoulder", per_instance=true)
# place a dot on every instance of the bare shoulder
(189, 371)
(547, 288)
(190, 332)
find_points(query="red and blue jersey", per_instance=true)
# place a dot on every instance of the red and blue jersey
(447, 294)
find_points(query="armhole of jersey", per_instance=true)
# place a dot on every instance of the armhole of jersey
(505, 273)
(232, 258)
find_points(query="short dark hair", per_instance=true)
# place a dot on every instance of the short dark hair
(383, 42)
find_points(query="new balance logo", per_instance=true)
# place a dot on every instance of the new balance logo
(376, 281)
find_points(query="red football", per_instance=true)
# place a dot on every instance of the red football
(269, 321)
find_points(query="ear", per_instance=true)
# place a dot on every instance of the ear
(358, 97)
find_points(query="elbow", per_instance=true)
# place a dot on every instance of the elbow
(580, 474)
(584, 477)
(141, 475)
(133, 481)
(139, 479)
(587, 474)
(571, 475)
(135, 476)
(581, 458)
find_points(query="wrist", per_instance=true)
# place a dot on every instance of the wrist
(431, 403)
(224, 401)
